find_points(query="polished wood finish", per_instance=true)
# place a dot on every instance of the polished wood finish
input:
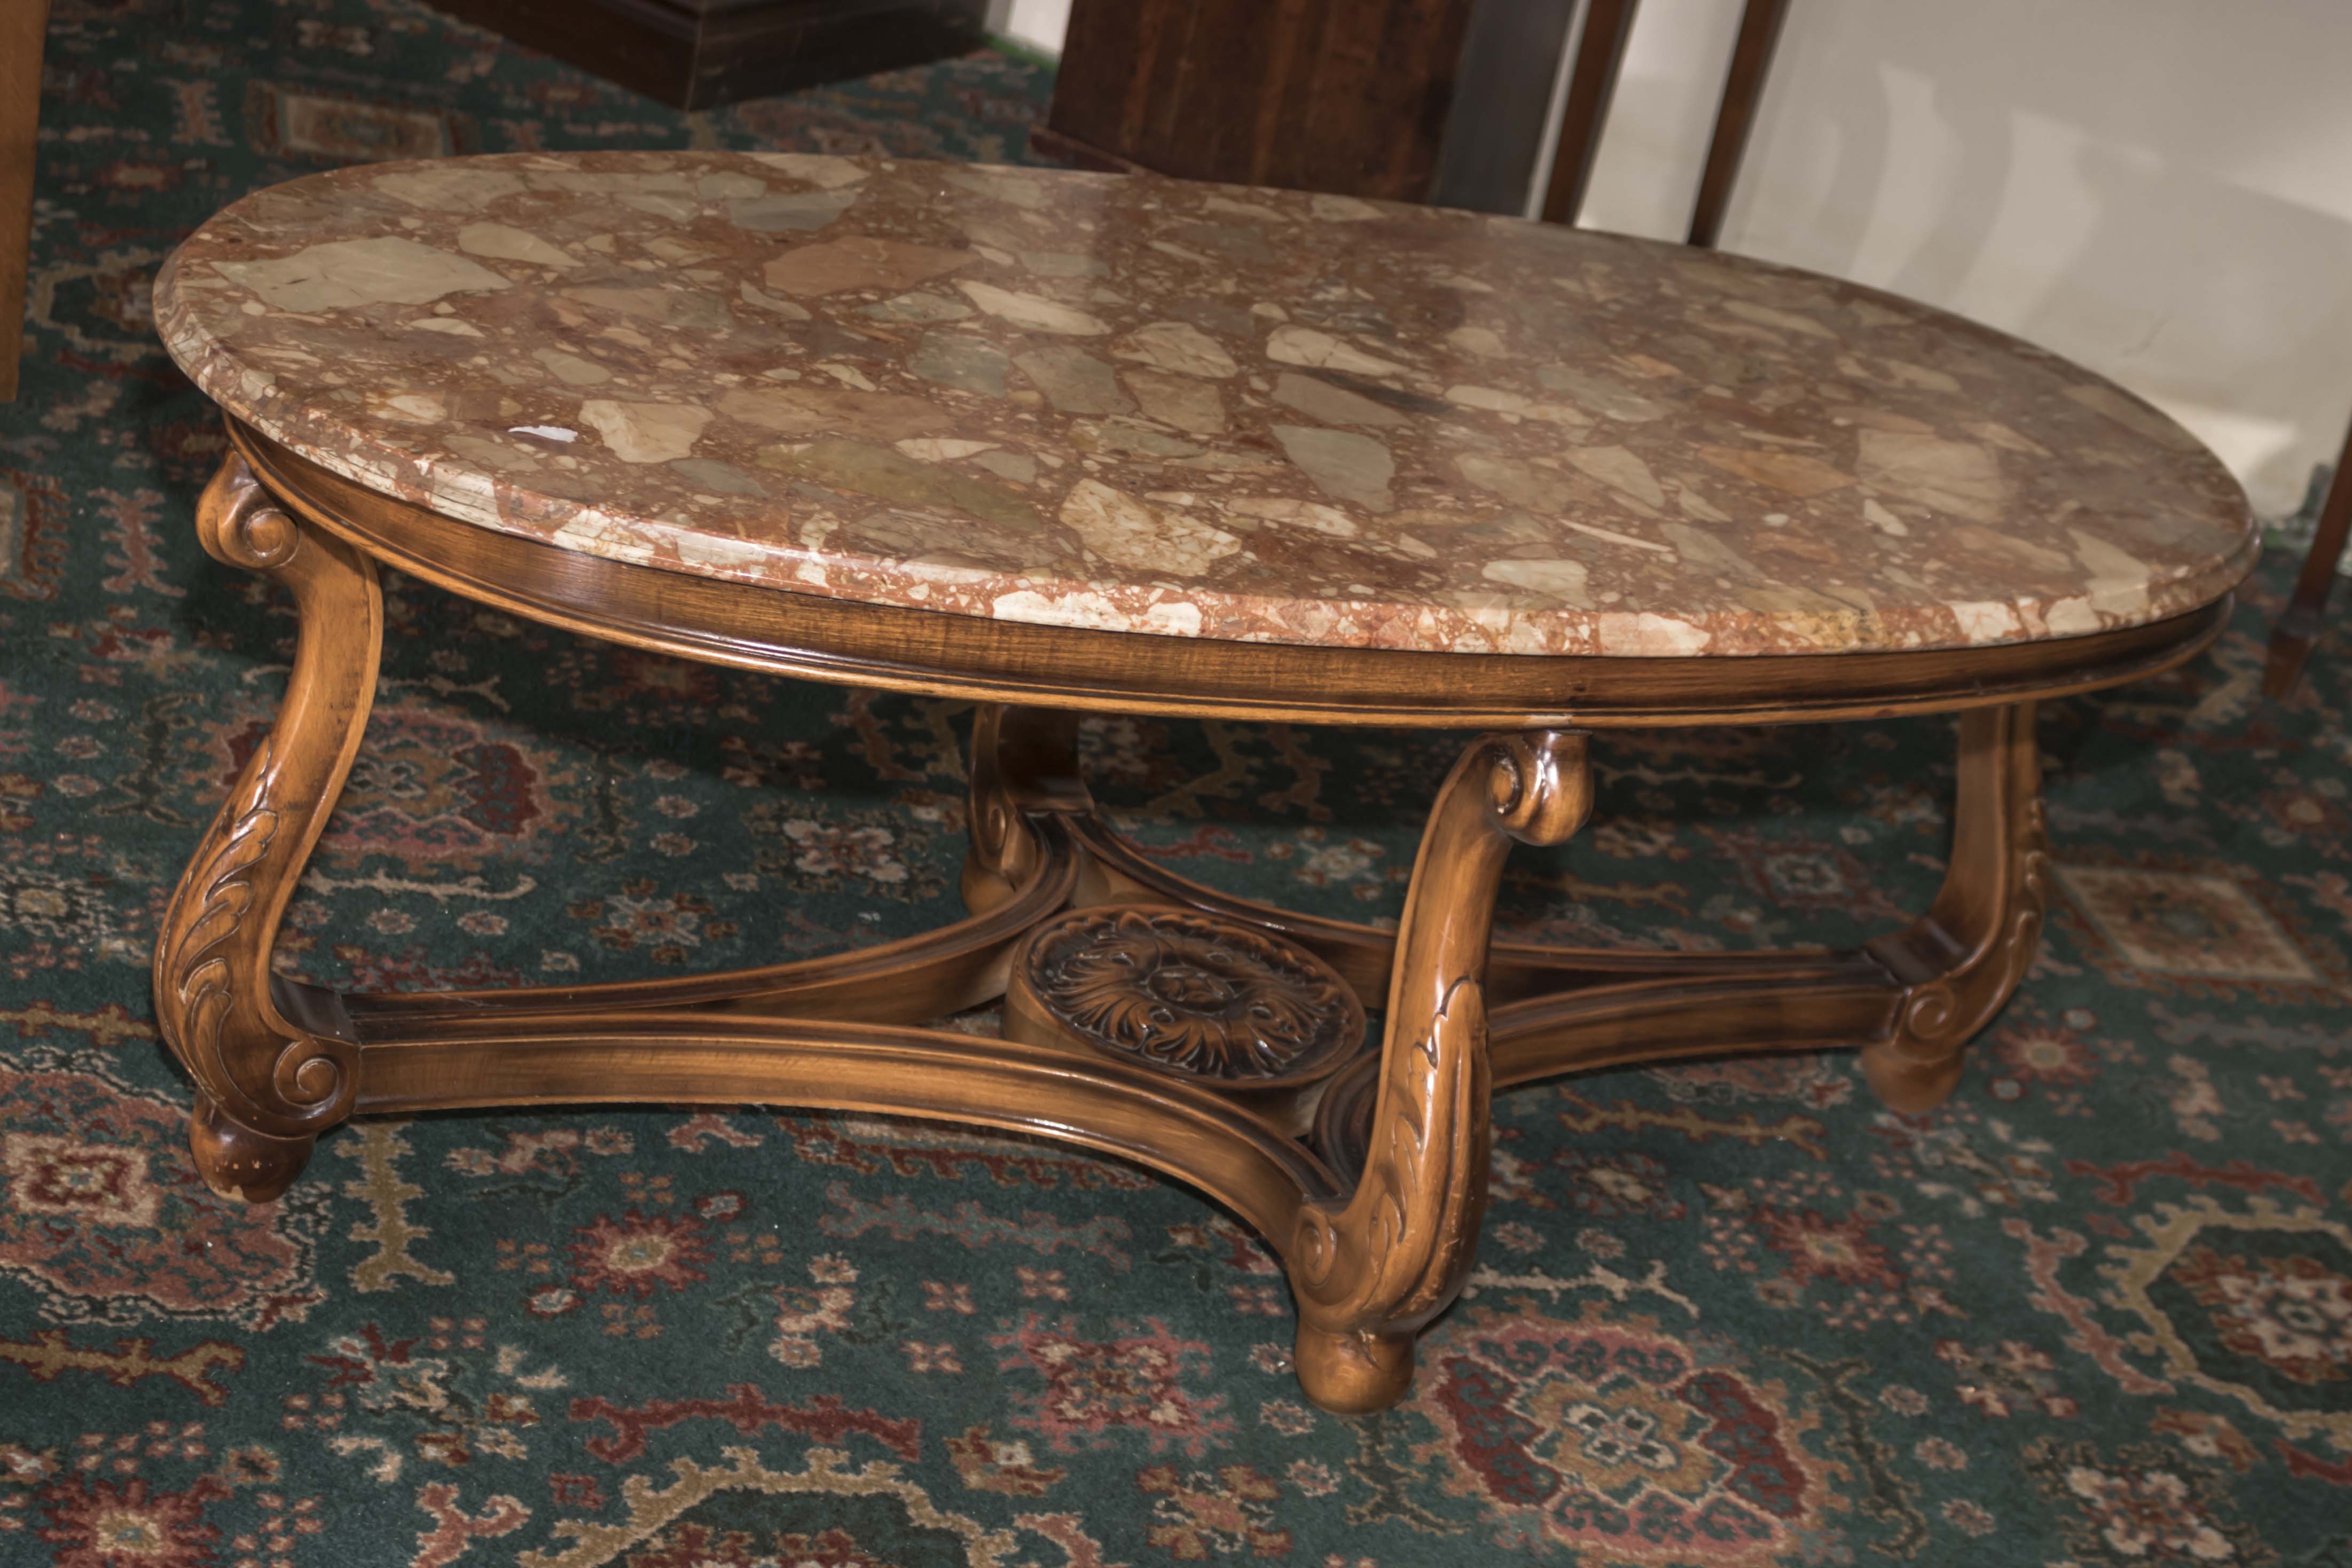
(1378, 99)
(721, 1058)
(1743, 95)
(2306, 611)
(1962, 960)
(920, 977)
(1343, 96)
(1369, 1274)
(238, 1162)
(1592, 87)
(266, 1055)
(1363, 1167)
(702, 54)
(22, 25)
(1283, 1026)
(1115, 872)
(885, 647)
(1024, 762)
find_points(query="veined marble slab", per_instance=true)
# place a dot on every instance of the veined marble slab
(1192, 410)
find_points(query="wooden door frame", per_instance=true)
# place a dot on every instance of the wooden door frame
(23, 23)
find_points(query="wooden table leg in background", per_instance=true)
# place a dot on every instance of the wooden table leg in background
(2306, 613)
(22, 23)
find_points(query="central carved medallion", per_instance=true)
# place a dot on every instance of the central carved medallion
(1191, 994)
(1184, 985)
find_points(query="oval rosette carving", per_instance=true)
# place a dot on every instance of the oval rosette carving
(1194, 995)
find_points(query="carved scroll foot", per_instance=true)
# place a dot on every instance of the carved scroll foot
(1908, 1079)
(1353, 1373)
(237, 1161)
(274, 1065)
(1369, 1274)
(1964, 959)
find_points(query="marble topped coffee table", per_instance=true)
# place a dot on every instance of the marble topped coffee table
(1058, 443)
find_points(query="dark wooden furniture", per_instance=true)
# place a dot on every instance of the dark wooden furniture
(701, 54)
(1593, 83)
(1438, 100)
(22, 23)
(1406, 99)
(1344, 96)
(2306, 611)
(931, 524)
(1503, 91)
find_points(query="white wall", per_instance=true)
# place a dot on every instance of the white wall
(1040, 23)
(2161, 189)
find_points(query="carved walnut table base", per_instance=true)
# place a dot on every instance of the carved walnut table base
(1059, 443)
(1212, 1038)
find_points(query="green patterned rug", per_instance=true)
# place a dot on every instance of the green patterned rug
(2098, 1310)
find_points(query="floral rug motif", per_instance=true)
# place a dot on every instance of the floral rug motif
(2098, 1310)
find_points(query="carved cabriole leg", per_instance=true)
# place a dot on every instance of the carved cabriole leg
(1965, 957)
(1024, 760)
(266, 1085)
(1368, 1276)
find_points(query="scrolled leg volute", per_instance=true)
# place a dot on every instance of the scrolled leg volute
(1964, 959)
(1024, 760)
(268, 1084)
(1369, 1273)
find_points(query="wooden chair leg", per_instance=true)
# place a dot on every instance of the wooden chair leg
(1965, 957)
(1743, 95)
(275, 1064)
(1591, 86)
(2306, 613)
(1369, 1274)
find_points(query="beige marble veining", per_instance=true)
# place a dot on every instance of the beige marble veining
(1192, 410)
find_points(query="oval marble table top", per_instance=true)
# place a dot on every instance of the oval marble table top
(1192, 410)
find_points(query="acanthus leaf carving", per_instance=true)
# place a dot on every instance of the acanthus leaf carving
(217, 1026)
(267, 1080)
(1398, 1250)
(191, 966)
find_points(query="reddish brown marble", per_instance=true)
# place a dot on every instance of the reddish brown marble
(1196, 410)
